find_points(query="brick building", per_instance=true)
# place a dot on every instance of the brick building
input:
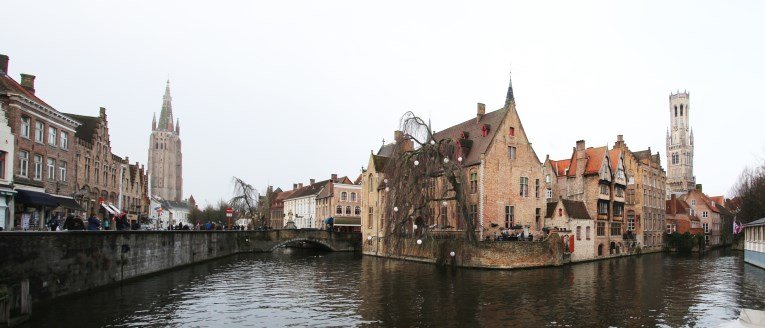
(45, 153)
(7, 155)
(503, 172)
(679, 218)
(645, 200)
(708, 213)
(340, 199)
(597, 177)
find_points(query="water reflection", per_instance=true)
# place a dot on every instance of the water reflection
(310, 288)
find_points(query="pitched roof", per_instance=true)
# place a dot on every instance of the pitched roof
(559, 167)
(379, 162)
(755, 223)
(474, 127)
(718, 199)
(89, 126)
(8, 84)
(574, 209)
(643, 154)
(386, 150)
(677, 206)
(595, 157)
(706, 200)
(613, 155)
(309, 190)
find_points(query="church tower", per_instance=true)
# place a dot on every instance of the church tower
(680, 177)
(165, 158)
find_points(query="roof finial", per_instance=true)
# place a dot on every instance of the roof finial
(510, 97)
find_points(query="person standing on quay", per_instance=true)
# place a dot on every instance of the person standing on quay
(93, 222)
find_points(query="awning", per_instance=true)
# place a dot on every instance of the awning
(108, 209)
(348, 222)
(28, 197)
(7, 191)
(114, 208)
(68, 203)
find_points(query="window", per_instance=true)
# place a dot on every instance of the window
(371, 184)
(343, 196)
(601, 228)
(603, 207)
(62, 171)
(347, 210)
(357, 210)
(579, 233)
(681, 109)
(588, 233)
(106, 175)
(64, 140)
(675, 111)
(538, 218)
(473, 182)
(511, 131)
(51, 168)
(618, 209)
(39, 130)
(547, 178)
(511, 152)
(87, 168)
(616, 228)
(524, 188)
(370, 217)
(548, 194)
(619, 191)
(353, 196)
(604, 189)
(631, 222)
(693, 202)
(445, 215)
(38, 167)
(25, 125)
(509, 216)
(2, 164)
(536, 188)
(23, 163)
(52, 134)
(706, 227)
(704, 214)
(97, 175)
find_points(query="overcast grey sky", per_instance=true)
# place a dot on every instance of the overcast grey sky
(284, 91)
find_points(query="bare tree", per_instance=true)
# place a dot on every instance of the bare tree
(245, 201)
(749, 194)
(423, 174)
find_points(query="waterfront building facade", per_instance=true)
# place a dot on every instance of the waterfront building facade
(7, 156)
(709, 215)
(645, 197)
(44, 154)
(754, 243)
(165, 157)
(300, 206)
(680, 178)
(372, 196)
(573, 223)
(340, 199)
(679, 218)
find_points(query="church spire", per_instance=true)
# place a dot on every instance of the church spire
(177, 126)
(154, 121)
(166, 115)
(510, 97)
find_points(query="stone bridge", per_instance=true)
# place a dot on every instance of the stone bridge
(266, 241)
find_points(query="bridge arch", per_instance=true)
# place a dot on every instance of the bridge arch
(321, 243)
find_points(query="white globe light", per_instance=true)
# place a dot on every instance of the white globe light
(416, 163)
(369, 238)
(459, 158)
(444, 203)
(446, 160)
(395, 209)
(387, 188)
(415, 227)
(419, 241)
(432, 142)
(385, 180)
(452, 254)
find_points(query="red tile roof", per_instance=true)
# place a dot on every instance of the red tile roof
(8, 84)
(559, 167)
(613, 155)
(595, 157)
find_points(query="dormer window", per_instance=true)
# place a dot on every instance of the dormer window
(511, 132)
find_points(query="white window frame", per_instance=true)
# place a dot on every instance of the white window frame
(39, 132)
(51, 163)
(26, 126)
(38, 167)
(52, 136)
(64, 140)
(62, 171)
(24, 163)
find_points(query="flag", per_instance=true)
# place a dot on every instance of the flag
(737, 228)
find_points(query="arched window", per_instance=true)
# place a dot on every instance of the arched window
(371, 184)
(681, 109)
(473, 182)
(587, 233)
(347, 210)
(344, 196)
(339, 209)
(353, 196)
(675, 111)
(358, 210)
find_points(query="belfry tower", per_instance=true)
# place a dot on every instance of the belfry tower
(165, 158)
(680, 177)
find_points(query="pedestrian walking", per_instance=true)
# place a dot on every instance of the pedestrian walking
(93, 223)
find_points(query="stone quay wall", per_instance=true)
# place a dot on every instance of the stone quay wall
(485, 255)
(61, 263)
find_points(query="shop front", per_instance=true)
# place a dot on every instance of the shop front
(7, 196)
(33, 209)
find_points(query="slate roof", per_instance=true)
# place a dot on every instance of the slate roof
(473, 127)
(386, 150)
(169, 204)
(755, 223)
(379, 162)
(643, 154)
(574, 209)
(89, 126)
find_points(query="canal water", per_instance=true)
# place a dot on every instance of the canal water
(299, 287)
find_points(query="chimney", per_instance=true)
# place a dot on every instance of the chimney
(580, 150)
(28, 82)
(699, 188)
(480, 112)
(102, 112)
(313, 181)
(294, 186)
(300, 185)
(620, 138)
(3, 64)
(334, 176)
(580, 145)
(398, 135)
